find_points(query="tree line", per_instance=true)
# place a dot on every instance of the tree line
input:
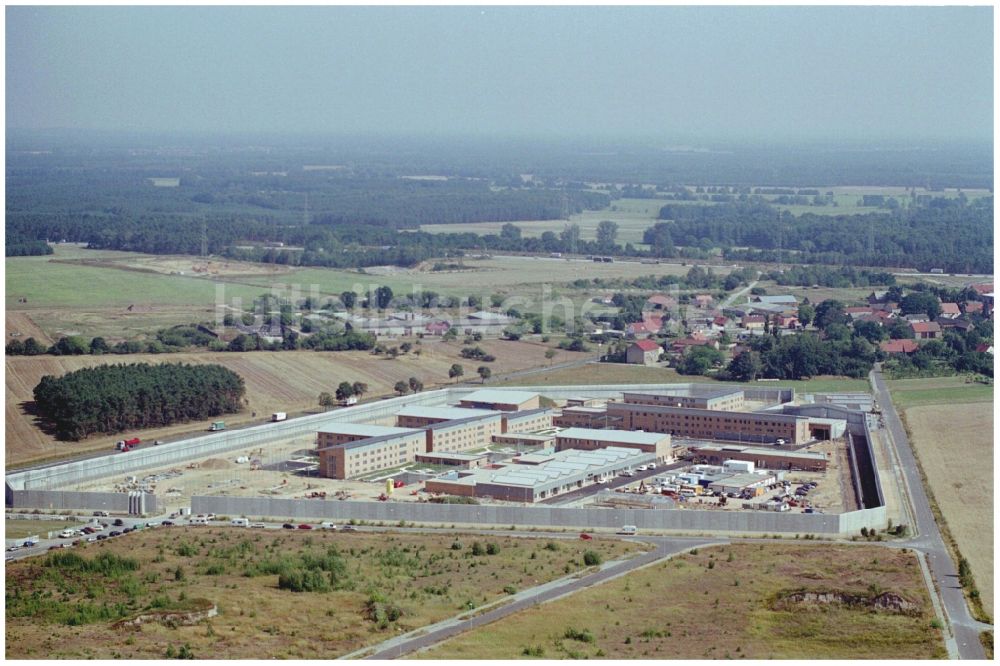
(119, 397)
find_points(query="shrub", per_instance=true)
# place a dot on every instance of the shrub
(477, 548)
(583, 636)
(591, 558)
(492, 549)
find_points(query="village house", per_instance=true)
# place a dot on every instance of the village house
(899, 346)
(950, 310)
(753, 322)
(643, 352)
(926, 330)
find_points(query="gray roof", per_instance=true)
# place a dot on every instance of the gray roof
(447, 413)
(363, 429)
(629, 436)
(502, 396)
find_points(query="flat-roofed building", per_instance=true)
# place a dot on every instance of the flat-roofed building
(333, 434)
(723, 400)
(417, 416)
(711, 424)
(560, 473)
(371, 454)
(736, 484)
(463, 460)
(586, 417)
(474, 432)
(524, 439)
(761, 458)
(528, 420)
(589, 439)
(501, 399)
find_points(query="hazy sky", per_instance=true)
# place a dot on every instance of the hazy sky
(665, 72)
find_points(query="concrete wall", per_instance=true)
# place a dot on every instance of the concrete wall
(555, 517)
(57, 500)
(67, 475)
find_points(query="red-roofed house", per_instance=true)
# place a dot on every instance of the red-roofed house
(753, 322)
(985, 348)
(703, 300)
(926, 330)
(950, 310)
(984, 288)
(437, 327)
(858, 310)
(786, 321)
(643, 352)
(637, 328)
(899, 346)
(661, 301)
(973, 307)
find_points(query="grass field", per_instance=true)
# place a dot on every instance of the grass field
(632, 215)
(951, 428)
(22, 529)
(382, 584)
(724, 603)
(620, 373)
(276, 381)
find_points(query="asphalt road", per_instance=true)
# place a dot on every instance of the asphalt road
(429, 636)
(964, 627)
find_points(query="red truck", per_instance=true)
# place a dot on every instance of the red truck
(127, 444)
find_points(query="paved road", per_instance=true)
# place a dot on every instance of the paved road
(964, 627)
(428, 636)
(735, 295)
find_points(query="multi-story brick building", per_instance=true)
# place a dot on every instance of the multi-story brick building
(723, 400)
(588, 439)
(711, 424)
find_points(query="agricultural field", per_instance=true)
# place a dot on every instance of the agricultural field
(276, 381)
(120, 295)
(951, 428)
(633, 216)
(729, 602)
(356, 590)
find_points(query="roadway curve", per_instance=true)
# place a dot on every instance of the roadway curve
(964, 627)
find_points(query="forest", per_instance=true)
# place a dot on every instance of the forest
(119, 397)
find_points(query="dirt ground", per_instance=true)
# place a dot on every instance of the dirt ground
(276, 381)
(955, 446)
(187, 265)
(21, 326)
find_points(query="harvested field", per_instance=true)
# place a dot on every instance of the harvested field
(729, 602)
(21, 326)
(375, 585)
(954, 443)
(276, 381)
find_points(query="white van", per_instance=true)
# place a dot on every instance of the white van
(198, 520)
(68, 534)
(628, 529)
(328, 526)
(239, 522)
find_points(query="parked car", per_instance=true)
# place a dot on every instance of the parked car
(13, 548)
(101, 514)
(167, 523)
(651, 465)
(102, 537)
(118, 522)
(92, 539)
(643, 468)
(305, 526)
(258, 526)
(585, 536)
(128, 529)
(348, 528)
(114, 533)
(288, 526)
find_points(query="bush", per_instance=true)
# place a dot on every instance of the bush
(492, 549)
(477, 548)
(591, 558)
(583, 636)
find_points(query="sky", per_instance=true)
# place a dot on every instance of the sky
(670, 73)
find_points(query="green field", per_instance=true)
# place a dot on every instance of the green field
(632, 215)
(48, 284)
(22, 529)
(938, 391)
